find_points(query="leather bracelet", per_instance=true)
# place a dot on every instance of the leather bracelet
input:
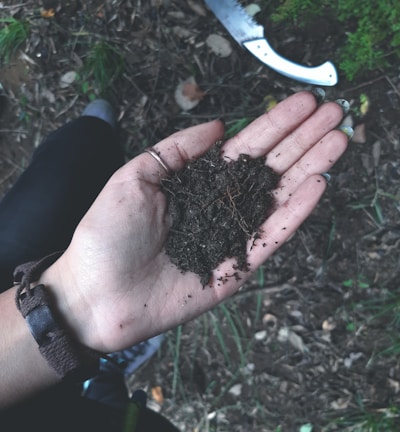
(71, 361)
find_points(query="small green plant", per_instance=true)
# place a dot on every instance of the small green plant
(24, 114)
(386, 307)
(236, 126)
(372, 29)
(103, 65)
(368, 420)
(12, 35)
(295, 10)
(359, 282)
(372, 204)
(176, 377)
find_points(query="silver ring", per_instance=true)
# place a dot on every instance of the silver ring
(157, 157)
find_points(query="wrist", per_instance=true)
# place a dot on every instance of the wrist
(71, 307)
(44, 310)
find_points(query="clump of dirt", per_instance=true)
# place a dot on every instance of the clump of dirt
(216, 206)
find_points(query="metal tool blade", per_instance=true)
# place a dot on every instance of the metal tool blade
(250, 35)
(236, 20)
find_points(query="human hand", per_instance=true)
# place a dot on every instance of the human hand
(115, 283)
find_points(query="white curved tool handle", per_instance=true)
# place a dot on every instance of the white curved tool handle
(323, 75)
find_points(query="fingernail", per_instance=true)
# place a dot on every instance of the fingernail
(319, 94)
(347, 130)
(327, 177)
(222, 120)
(344, 105)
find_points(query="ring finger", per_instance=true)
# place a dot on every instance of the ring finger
(298, 143)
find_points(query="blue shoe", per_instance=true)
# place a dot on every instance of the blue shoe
(108, 386)
(132, 358)
(101, 109)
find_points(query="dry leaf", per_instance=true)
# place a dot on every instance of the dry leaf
(286, 335)
(348, 121)
(47, 13)
(157, 394)
(359, 134)
(211, 415)
(270, 320)
(197, 7)
(341, 403)
(270, 102)
(236, 390)
(367, 163)
(364, 104)
(192, 91)
(48, 95)
(219, 45)
(67, 79)
(260, 335)
(253, 9)
(328, 325)
(376, 152)
(26, 58)
(348, 361)
(395, 385)
(100, 13)
(188, 94)
(182, 32)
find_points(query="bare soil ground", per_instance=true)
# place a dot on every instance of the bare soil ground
(304, 343)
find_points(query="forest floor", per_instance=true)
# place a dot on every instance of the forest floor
(311, 343)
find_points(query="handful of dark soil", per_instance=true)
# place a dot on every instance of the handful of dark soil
(216, 207)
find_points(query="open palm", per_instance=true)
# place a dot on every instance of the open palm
(122, 287)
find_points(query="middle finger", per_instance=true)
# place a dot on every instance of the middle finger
(296, 144)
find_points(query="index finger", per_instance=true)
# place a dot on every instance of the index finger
(179, 149)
